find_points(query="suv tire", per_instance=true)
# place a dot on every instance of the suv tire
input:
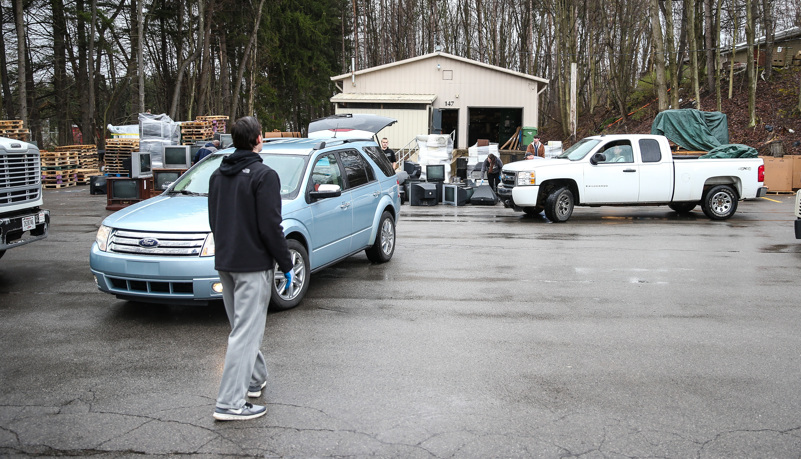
(384, 246)
(283, 300)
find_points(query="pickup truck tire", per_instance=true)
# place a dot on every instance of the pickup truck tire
(720, 202)
(683, 208)
(384, 246)
(533, 211)
(281, 299)
(559, 205)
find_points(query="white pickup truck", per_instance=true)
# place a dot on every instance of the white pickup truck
(630, 170)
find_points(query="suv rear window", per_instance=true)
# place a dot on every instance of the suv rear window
(381, 160)
(355, 168)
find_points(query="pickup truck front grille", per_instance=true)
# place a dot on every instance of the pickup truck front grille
(20, 178)
(508, 178)
(162, 244)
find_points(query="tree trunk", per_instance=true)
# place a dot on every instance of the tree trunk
(8, 100)
(673, 65)
(245, 54)
(709, 41)
(719, 104)
(659, 56)
(693, 48)
(63, 124)
(182, 66)
(140, 54)
(768, 24)
(21, 86)
(205, 64)
(224, 76)
(750, 67)
(90, 79)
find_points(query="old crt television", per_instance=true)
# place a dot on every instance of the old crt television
(193, 149)
(177, 157)
(226, 141)
(124, 191)
(454, 195)
(163, 178)
(141, 164)
(435, 173)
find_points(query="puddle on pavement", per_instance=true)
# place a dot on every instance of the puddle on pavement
(782, 248)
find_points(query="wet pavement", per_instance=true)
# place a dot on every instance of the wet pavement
(624, 332)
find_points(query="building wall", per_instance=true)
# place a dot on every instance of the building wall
(458, 85)
(781, 58)
(411, 123)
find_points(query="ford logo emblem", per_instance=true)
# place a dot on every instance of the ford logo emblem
(149, 242)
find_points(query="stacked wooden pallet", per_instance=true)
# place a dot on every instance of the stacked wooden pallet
(116, 151)
(87, 161)
(58, 168)
(192, 131)
(14, 129)
(218, 122)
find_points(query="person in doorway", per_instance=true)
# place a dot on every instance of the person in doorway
(245, 218)
(389, 152)
(536, 147)
(491, 169)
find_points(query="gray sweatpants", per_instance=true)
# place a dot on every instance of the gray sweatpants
(246, 297)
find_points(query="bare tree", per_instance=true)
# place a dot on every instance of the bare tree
(659, 55)
(19, 20)
(750, 67)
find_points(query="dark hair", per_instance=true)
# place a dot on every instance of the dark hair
(245, 133)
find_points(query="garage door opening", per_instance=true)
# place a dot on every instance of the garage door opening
(495, 124)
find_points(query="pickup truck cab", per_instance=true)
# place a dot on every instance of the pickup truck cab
(626, 170)
(340, 196)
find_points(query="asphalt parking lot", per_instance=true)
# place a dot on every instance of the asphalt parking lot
(625, 332)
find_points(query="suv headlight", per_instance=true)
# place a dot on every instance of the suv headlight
(208, 246)
(526, 178)
(102, 236)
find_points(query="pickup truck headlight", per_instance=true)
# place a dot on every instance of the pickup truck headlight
(208, 246)
(526, 178)
(102, 237)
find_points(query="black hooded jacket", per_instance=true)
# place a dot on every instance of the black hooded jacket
(245, 215)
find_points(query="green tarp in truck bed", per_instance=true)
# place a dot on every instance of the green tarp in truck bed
(692, 129)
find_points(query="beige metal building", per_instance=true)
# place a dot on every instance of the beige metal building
(443, 93)
(786, 50)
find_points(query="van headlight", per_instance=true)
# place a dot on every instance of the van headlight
(526, 178)
(102, 236)
(208, 246)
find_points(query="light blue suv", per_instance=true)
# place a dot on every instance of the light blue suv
(339, 196)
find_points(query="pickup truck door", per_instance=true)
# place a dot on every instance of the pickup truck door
(615, 180)
(656, 172)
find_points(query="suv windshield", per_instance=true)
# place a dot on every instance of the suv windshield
(579, 150)
(289, 168)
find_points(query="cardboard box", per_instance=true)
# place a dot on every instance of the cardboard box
(778, 173)
(796, 170)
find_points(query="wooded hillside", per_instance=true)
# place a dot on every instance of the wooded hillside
(91, 63)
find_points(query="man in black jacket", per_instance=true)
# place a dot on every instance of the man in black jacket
(245, 218)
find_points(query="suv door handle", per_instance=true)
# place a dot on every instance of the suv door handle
(376, 194)
(344, 205)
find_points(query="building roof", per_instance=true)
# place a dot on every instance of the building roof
(345, 76)
(385, 98)
(778, 37)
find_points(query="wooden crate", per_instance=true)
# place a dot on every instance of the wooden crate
(796, 159)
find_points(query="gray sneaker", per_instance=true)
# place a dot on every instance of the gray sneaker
(249, 411)
(255, 391)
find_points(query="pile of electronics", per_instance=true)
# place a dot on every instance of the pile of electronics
(432, 188)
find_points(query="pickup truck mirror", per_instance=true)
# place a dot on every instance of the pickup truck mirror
(597, 158)
(325, 191)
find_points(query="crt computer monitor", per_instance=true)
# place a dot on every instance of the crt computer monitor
(193, 149)
(177, 157)
(226, 141)
(141, 164)
(123, 189)
(454, 195)
(163, 179)
(435, 173)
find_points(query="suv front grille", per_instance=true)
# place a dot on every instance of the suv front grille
(156, 287)
(163, 244)
(508, 178)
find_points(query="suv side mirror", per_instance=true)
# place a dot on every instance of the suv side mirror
(597, 158)
(325, 191)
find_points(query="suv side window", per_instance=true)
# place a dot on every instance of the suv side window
(355, 168)
(649, 149)
(381, 160)
(326, 171)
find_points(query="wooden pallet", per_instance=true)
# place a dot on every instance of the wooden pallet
(11, 124)
(83, 176)
(58, 185)
(23, 136)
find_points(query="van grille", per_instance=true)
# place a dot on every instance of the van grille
(162, 244)
(20, 179)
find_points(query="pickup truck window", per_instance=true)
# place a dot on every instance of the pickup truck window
(650, 151)
(579, 150)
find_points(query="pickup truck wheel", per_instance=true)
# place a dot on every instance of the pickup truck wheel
(533, 211)
(720, 202)
(559, 205)
(286, 298)
(384, 246)
(682, 207)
